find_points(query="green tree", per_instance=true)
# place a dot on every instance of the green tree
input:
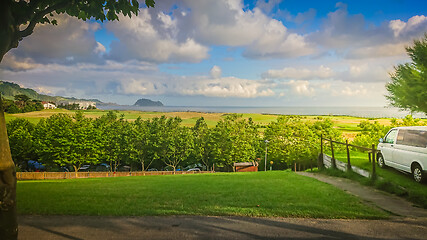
(370, 133)
(408, 86)
(179, 146)
(84, 144)
(21, 141)
(143, 143)
(293, 140)
(22, 98)
(235, 140)
(12, 108)
(203, 144)
(64, 140)
(109, 127)
(171, 142)
(19, 18)
(407, 121)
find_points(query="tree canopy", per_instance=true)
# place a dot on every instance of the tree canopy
(408, 86)
(19, 18)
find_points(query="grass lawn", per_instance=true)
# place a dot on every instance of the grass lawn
(413, 191)
(278, 193)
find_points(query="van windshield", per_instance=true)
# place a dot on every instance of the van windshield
(413, 138)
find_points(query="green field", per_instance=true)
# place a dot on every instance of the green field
(346, 124)
(260, 194)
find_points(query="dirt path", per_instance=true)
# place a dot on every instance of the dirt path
(383, 200)
(201, 227)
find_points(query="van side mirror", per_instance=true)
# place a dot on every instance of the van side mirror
(381, 140)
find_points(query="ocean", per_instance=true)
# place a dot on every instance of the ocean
(367, 112)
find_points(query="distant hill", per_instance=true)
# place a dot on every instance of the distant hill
(143, 102)
(9, 90)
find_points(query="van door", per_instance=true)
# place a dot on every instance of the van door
(388, 147)
(402, 154)
(408, 148)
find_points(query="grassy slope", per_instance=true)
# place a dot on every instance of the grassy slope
(413, 191)
(282, 194)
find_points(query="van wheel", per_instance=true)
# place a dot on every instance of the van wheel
(381, 162)
(417, 173)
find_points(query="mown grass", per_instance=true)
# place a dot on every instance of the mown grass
(276, 193)
(392, 181)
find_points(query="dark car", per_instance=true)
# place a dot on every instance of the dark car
(36, 166)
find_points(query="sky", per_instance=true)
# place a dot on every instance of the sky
(225, 53)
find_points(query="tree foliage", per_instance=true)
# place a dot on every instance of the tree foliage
(371, 132)
(235, 140)
(163, 143)
(64, 140)
(21, 141)
(408, 86)
(19, 18)
(291, 139)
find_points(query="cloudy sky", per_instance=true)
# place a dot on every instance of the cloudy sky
(225, 53)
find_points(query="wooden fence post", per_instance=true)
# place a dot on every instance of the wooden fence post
(333, 163)
(373, 162)
(348, 156)
(320, 158)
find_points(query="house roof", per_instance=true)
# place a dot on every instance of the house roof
(245, 164)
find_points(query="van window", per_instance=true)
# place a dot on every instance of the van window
(390, 136)
(414, 138)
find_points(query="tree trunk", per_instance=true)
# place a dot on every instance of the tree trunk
(75, 170)
(8, 218)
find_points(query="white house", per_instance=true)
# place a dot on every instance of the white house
(82, 104)
(48, 105)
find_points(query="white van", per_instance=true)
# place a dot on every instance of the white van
(405, 148)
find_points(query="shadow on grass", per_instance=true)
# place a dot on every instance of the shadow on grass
(187, 227)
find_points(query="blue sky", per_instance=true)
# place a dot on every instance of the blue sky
(225, 53)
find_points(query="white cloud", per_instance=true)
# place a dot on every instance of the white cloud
(11, 62)
(301, 17)
(141, 39)
(216, 72)
(224, 87)
(415, 23)
(227, 23)
(301, 87)
(70, 39)
(365, 72)
(321, 72)
(352, 92)
(385, 50)
(99, 48)
(350, 36)
(267, 6)
(130, 78)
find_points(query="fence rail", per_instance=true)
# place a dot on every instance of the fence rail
(371, 152)
(72, 175)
